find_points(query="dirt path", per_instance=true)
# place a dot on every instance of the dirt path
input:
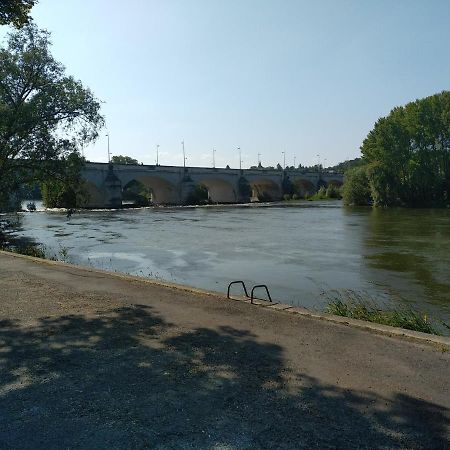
(89, 360)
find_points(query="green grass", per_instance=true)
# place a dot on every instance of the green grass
(355, 307)
(28, 250)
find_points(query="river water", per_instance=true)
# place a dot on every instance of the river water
(302, 251)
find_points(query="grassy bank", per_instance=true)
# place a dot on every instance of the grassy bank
(354, 306)
(28, 250)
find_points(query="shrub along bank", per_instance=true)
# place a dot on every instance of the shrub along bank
(354, 305)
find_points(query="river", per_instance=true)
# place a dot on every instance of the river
(303, 251)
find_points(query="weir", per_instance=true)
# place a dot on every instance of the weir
(172, 185)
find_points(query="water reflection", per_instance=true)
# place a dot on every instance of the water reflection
(412, 246)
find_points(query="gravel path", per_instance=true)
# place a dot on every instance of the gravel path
(90, 360)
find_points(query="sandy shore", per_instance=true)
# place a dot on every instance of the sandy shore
(91, 360)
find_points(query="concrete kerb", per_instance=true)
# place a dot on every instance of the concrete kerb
(275, 306)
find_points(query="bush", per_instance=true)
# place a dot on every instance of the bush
(326, 193)
(333, 192)
(321, 194)
(356, 307)
(30, 250)
(356, 189)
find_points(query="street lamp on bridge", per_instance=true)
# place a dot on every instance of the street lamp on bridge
(184, 154)
(109, 154)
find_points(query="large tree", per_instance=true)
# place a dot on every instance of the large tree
(15, 12)
(44, 114)
(407, 154)
(67, 190)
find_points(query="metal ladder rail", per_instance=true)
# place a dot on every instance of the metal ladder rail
(260, 286)
(237, 282)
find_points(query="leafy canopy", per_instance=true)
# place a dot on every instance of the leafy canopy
(15, 12)
(407, 155)
(44, 114)
(68, 190)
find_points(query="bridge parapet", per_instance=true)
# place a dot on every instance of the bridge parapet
(173, 184)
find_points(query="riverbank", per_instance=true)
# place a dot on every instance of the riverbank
(92, 359)
(396, 260)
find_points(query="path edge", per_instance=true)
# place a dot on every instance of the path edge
(385, 330)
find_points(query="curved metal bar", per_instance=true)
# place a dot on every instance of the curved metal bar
(260, 286)
(237, 282)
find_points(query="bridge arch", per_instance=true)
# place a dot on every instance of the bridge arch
(304, 187)
(219, 191)
(265, 189)
(137, 193)
(335, 183)
(158, 190)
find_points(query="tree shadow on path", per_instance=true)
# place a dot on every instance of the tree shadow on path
(125, 378)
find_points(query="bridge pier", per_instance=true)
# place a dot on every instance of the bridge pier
(112, 189)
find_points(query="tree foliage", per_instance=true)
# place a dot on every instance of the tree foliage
(45, 115)
(67, 189)
(407, 155)
(356, 189)
(342, 167)
(15, 12)
(119, 159)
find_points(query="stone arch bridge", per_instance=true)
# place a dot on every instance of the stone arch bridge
(172, 185)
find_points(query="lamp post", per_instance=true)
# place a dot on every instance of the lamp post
(284, 160)
(294, 161)
(157, 154)
(214, 158)
(109, 155)
(259, 159)
(240, 158)
(184, 154)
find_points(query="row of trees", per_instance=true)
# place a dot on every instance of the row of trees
(405, 158)
(46, 116)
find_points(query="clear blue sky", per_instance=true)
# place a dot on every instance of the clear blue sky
(305, 77)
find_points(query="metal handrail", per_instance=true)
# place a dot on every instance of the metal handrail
(260, 286)
(237, 282)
